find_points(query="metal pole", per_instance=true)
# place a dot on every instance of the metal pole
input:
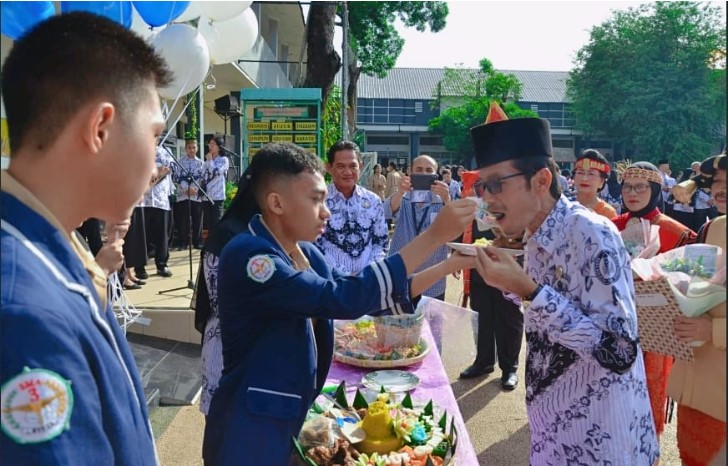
(344, 68)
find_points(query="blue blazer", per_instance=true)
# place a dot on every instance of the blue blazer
(73, 348)
(277, 335)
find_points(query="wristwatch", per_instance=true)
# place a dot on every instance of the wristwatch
(526, 300)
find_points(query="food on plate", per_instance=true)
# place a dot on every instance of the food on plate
(380, 339)
(482, 242)
(395, 434)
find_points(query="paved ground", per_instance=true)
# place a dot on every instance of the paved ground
(496, 420)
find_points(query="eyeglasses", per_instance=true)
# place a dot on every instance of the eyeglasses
(637, 188)
(495, 186)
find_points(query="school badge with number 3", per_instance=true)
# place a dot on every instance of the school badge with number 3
(36, 406)
(260, 268)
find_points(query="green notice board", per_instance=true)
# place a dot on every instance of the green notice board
(281, 115)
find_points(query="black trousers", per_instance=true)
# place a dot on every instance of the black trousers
(182, 221)
(157, 231)
(213, 214)
(135, 241)
(500, 326)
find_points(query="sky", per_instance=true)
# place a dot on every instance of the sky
(514, 35)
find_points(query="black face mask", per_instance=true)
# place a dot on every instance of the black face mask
(655, 198)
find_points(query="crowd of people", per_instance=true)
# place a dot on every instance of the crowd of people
(290, 254)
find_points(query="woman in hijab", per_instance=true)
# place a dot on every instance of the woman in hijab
(641, 192)
(235, 220)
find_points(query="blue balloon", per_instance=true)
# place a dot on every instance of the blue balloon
(119, 12)
(17, 18)
(160, 13)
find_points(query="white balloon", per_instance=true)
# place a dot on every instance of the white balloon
(185, 51)
(221, 11)
(193, 11)
(229, 40)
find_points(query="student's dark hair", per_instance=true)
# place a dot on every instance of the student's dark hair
(66, 62)
(593, 154)
(339, 146)
(531, 164)
(566, 173)
(393, 165)
(277, 160)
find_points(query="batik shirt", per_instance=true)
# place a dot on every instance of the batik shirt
(411, 219)
(192, 169)
(586, 393)
(356, 234)
(158, 195)
(214, 174)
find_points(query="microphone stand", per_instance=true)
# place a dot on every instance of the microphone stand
(233, 164)
(200, 192)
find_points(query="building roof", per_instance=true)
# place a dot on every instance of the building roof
(421, 84)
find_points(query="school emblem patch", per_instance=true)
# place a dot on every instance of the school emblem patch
(35, 406)
(260, 268)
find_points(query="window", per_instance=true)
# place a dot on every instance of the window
(418, 107)
(430, 140)
(566, 143)
(534, 108)
(388, 140)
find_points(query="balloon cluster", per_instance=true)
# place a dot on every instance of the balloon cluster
(225, 31)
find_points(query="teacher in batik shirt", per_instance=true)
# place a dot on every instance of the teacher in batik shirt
(356, 234)
(586, 394)
(641, 191)
(214, 175)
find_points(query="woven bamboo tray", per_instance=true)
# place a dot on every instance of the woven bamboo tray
(655, 321)
(384, 363)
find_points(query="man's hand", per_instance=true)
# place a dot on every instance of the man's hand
(452, 220)
(500, 270)
(441, 189)
(693, 328)
(405, 185)
(208, 156)
(110, 256)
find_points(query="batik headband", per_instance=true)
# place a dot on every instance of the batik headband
(587, 163)
(648, 175)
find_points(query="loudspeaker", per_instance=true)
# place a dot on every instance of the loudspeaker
(227, 105)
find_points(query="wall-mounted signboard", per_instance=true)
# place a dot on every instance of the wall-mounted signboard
(281, 115)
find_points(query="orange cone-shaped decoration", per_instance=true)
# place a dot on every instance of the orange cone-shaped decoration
(495, 113)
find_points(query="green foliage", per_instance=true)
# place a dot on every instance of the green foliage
(331, 119)
(472, 91)
(191, 126)
(654, 78)
(374, 38)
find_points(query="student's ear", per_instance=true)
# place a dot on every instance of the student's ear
(329, 169)
(96, 125)
(274, 201)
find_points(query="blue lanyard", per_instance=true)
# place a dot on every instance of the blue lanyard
(418, 225)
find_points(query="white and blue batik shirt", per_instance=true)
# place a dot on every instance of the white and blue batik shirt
(214, 174)
(192, 169)
(586, 393)
(356, 234)
(158, 195)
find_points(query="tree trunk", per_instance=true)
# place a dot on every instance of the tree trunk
(354, 73)
(323, 62)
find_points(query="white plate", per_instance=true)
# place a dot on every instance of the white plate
(392, 381)
(470, 249)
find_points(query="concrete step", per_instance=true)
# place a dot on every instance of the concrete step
(170, 370)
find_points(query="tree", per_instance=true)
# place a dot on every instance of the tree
(465, 95)
(654, 78)
(374, 43)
